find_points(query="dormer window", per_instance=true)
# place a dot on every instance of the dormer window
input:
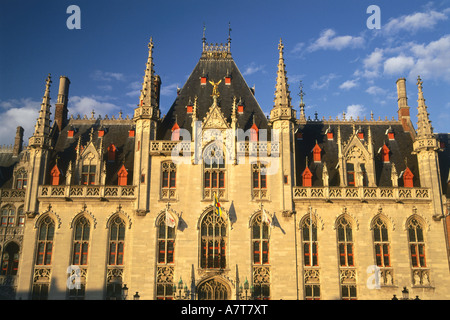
(361, 135)
(132, 133)
(385, 153)
(317, 153)
(112, 153)
(299, 135)
(227, 80)
(254, 133)
(70, 133)
(175, 132)
(122, 176)
(56, 174)
(391, 136)
(88, 174)
(101, 132)
(307, 177)
(203, 80)
(330, 135)
(408, 178)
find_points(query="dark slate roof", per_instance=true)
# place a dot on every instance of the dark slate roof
(400, 151)
(116, 133)
(215, 70)
(7, 163)
(444, 162)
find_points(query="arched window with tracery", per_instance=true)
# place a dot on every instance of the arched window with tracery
(310, 244)
(212, 290)
(81, 242)
(116, 242)
(214, 171)
(346, 258)
(8, 216)
(381, 243)
(213, 241)
(10, 259)
(45, 241)
(165, 257)
(21, 179)
(416, 243)
(260, 240)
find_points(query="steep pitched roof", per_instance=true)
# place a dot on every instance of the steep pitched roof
(214, 68)
(400, 150)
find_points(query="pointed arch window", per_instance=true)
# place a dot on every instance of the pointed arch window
(10, 259)
(385, 153)
(259, 176)
(381, 243)
(310, 244)
(8, 216)
(116, 242)
(214, 171)
(345, 242)
(45, 242)
(254, 133)
(213, 233)
(260, 240)
(81, 242)
(21, 179)
(416, 243)
(166, 241)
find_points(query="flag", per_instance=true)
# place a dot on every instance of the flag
(217, 208)
(266, 217)
(170, 222)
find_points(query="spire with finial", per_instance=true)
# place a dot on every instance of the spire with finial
(282, 94)
(148, 93)
(424, 128)
(282, 108)
(204, 36)
(229, 36)
(302, 105)
(42, 127)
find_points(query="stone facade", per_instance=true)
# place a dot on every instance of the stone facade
(100, 203)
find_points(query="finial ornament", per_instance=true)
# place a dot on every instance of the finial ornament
(150, 44)
(302, 93)
(280, 46)
(419, 83)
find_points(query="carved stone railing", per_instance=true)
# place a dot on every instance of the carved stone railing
(262, 148)
(361, 193)
(77, 191)
(12, 194)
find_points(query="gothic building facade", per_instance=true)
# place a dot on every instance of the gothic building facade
(310, 208)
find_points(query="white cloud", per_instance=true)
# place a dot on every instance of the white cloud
(17, 112)
(169, 90)
(99, 75)
(329, 40)
(354, 111)
(298, 47)
(135, 89)
(374, 90)
(253, 68)
(324, 81)
(414, 22)
(347, 85)
(85, 105)
(432, 59)
(398, 65)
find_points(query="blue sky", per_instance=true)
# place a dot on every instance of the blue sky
(344, 66)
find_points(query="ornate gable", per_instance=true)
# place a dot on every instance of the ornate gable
(214, 118)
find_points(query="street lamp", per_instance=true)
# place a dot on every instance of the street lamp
(124, 292)
(246, 288)
(181, 296)
(405, 295)
(136, 296)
